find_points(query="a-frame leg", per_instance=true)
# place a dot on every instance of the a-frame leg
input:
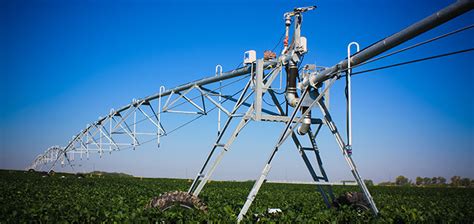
(202, 178)
(347, 156)
(287, 131)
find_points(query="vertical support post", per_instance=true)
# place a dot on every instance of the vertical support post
(258, 90)
(100, 140)
(159, 131)
(219, 73)
(87, 146)
(135, 126)
(110, 129)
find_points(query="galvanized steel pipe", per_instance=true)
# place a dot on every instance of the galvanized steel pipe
(454, 10)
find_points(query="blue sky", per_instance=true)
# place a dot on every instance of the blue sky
(64, 63)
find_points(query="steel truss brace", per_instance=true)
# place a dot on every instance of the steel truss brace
(326, 191)
(106, 133)
(203, 177)
(103, 135)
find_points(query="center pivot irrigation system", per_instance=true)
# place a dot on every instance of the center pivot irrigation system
(307, 89)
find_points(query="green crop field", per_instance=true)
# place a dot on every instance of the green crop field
(29, 197)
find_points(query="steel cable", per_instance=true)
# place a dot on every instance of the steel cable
(412, 61)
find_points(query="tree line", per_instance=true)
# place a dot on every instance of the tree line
(455, 181)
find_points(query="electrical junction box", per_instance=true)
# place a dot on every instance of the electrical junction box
(303, 45)
(250, 57)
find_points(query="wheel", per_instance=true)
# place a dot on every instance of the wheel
(353, 199)
(177, 199)
(361, 207)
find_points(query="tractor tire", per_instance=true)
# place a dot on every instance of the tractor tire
(179, 199)
(353, 199)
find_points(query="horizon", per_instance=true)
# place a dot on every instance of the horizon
(333, 182)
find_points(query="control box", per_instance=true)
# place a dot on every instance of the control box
(250, 57)
(303, 45)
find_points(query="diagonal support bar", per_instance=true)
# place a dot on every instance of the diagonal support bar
(332, 127)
